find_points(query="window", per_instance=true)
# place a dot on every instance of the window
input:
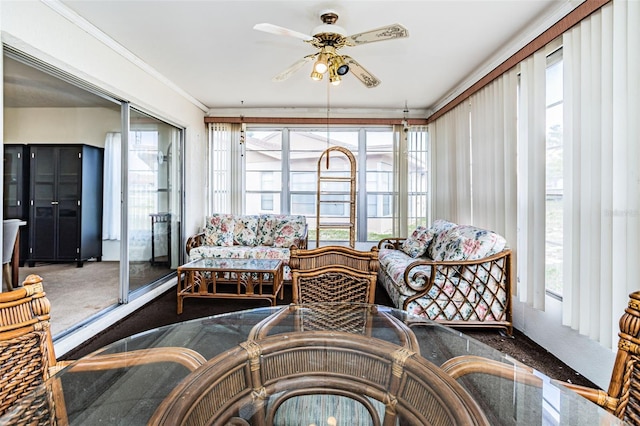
(281, 171)
(379, 175)
(554, 170)
(266, 199)
(418, 195)
(263, 165)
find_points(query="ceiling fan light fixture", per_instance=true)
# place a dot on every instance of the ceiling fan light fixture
(322, 64)
(341, 67)
(327, 39)
(334, 78)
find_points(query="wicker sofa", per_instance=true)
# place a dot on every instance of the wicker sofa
(459, 275)
(265, 236)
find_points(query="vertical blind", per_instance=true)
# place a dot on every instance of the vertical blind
(451, 166)
(601, 173)
(225, 190)
(493, 154)
(602, 90)
(531, 181)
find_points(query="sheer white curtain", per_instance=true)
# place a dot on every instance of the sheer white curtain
(493, 153)
(111, 206)
(601, 121)
(531, 181)
(451, 170)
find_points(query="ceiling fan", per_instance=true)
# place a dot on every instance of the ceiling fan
(328, 38)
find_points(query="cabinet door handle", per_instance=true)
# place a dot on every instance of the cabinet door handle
(54, 202)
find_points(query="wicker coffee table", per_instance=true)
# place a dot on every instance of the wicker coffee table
(230, 279)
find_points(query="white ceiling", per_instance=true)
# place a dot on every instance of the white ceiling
(209, 49)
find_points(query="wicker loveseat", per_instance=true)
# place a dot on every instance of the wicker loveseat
(459, 275)
(266, 236)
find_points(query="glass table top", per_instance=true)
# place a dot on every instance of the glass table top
(266, 340)
(237, 265)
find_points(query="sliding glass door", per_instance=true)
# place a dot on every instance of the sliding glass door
(153, 199)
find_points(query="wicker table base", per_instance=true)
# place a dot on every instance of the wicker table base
(230, 279)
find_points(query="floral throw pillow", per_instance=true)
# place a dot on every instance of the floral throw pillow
(288, 231)
(416, 244)
(246, 230)
(440, 228)
(266, 227)
(218, 230)
(466, 242)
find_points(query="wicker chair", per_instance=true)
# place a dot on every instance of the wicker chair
(251, 383)
(29, 392)
(334, 274)
(623, 396)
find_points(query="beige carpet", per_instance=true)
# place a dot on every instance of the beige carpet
(76, 293)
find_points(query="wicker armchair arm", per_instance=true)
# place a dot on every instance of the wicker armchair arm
(417, 279)
(420, 281)
(195, 240)
(597, 396)
(391, 243)
(184, 356)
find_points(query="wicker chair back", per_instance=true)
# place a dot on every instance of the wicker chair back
(249, 384)
(30, 392)
(26, 348)
(334, 274)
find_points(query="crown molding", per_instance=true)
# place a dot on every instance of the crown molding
(89, 28)
(521, 40)
(319, 113)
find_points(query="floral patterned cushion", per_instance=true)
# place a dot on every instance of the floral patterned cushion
(288, 230)
(223, 252)
(439, 228)
(466, 242)
(246, 230)
(219, 229)
(265, 229)
(416, 244)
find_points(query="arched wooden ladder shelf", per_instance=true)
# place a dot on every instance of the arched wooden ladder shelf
(331, 191)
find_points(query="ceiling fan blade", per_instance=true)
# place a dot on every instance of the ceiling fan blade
(360, 73)
(389, 32)
(294, 67)
(274, 29)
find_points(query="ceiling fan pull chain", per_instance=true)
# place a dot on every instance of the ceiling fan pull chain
(328, 110)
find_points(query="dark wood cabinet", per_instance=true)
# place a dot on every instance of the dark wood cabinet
(16, 190)
(65, 203)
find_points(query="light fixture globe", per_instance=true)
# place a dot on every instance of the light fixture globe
(322, 64)
(334, 78)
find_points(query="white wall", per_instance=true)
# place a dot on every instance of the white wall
(60, 125)
(40, 31)
(592, 360)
